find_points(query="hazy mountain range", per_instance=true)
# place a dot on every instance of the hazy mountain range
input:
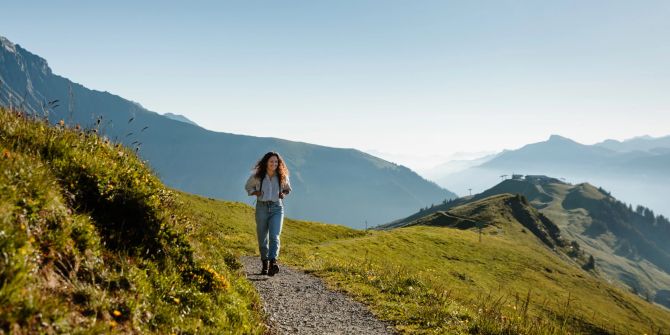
(647, 143)
(335, 185)
(635, 171)
(440, 171)
(629, 243)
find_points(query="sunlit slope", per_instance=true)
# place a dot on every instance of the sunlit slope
(629, 244)
(429, 279)
(92, 242)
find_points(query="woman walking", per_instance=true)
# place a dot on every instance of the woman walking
(269, 182)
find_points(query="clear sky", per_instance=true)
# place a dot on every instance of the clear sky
(413, 80)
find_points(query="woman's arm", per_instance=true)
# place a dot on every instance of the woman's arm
(286, 188)
(252, 186)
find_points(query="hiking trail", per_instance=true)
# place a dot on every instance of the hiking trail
(299, 303)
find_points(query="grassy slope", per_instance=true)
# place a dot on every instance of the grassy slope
(95, 243)
(437, 280)
(574, 222)
(92, 242)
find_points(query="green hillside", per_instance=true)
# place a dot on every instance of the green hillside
(92, 242)
(441, 280)
(628, 244)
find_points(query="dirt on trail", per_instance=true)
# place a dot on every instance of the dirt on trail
(299, 303)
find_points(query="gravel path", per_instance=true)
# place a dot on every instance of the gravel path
(298, 303)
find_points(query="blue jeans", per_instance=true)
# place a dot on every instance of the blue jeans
(269, 218)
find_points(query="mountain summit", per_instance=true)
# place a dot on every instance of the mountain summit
(560, 139)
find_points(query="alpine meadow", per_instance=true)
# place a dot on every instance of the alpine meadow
(335, 167)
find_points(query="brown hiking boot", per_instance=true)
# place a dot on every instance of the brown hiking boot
(264, 271)
(274, 268)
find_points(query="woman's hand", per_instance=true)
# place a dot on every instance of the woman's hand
(257, 193)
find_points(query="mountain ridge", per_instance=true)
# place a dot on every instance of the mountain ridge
(216, 164)
(181, 118)
(628, 244)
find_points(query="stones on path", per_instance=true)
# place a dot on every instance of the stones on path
(299, 303)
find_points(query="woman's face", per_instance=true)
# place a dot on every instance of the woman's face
(273, 163)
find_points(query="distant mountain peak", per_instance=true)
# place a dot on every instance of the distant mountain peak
(610, 141)
(644, 143)
(7, 44)
(643, 137)
(559, 138)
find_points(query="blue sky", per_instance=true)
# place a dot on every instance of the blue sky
(414, 81)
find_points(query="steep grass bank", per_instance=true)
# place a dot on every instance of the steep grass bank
(92, 242)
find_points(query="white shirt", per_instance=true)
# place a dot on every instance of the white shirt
(270, 189)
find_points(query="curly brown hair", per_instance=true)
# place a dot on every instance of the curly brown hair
(262, 165)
